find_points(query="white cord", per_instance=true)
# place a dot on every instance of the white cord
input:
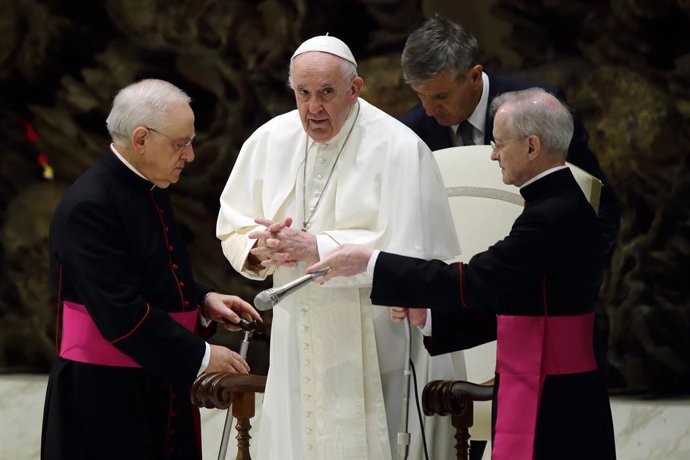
(403, 434)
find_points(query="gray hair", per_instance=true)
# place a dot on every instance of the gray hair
(347, 69)
(537, 112)
(143, 103)
(438, 45)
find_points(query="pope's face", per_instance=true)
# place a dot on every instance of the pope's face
(323, 95)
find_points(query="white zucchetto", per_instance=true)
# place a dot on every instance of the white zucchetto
(326, 44)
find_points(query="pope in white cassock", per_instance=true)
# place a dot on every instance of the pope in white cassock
(336, 170)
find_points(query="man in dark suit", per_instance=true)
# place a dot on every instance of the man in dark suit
(534, 292)
(130, 315)
(440, 62)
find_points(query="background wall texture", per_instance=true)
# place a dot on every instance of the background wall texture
(624, 65)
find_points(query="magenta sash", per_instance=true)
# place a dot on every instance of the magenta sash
(528, 349)
(83, 342)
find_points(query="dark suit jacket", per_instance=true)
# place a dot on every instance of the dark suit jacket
(116, 248)
(549, 265)
(438, 137)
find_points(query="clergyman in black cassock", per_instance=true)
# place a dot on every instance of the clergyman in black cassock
(546, 269)
(129, 334)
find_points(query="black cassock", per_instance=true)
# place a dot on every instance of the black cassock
(535, 291)
(116, 249)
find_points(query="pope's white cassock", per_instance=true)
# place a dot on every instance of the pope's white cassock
(334, 388)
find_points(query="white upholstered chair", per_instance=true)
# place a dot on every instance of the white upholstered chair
(484, 209)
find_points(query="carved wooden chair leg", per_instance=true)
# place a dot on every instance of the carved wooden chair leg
(218, 390)
(243, 411)
(461, 423)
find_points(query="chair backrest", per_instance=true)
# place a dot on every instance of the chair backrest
(484, 209)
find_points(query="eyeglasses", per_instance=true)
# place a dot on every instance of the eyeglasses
(499, 145)
(178, 144)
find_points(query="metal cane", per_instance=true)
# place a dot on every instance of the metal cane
(249, 327)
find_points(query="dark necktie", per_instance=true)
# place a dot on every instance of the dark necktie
(466, 133)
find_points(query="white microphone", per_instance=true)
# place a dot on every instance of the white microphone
(265, 300)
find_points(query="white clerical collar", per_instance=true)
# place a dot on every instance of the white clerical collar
(543, 174)
(126, 163)
(478, 118)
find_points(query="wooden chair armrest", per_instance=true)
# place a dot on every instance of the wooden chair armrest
(214, 390)
(451, 397)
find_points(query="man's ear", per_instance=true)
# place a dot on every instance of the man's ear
(533, 146)
(475, 74)
(139, 137)
(357, 84)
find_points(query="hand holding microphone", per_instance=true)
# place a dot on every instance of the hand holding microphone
(345, 260)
